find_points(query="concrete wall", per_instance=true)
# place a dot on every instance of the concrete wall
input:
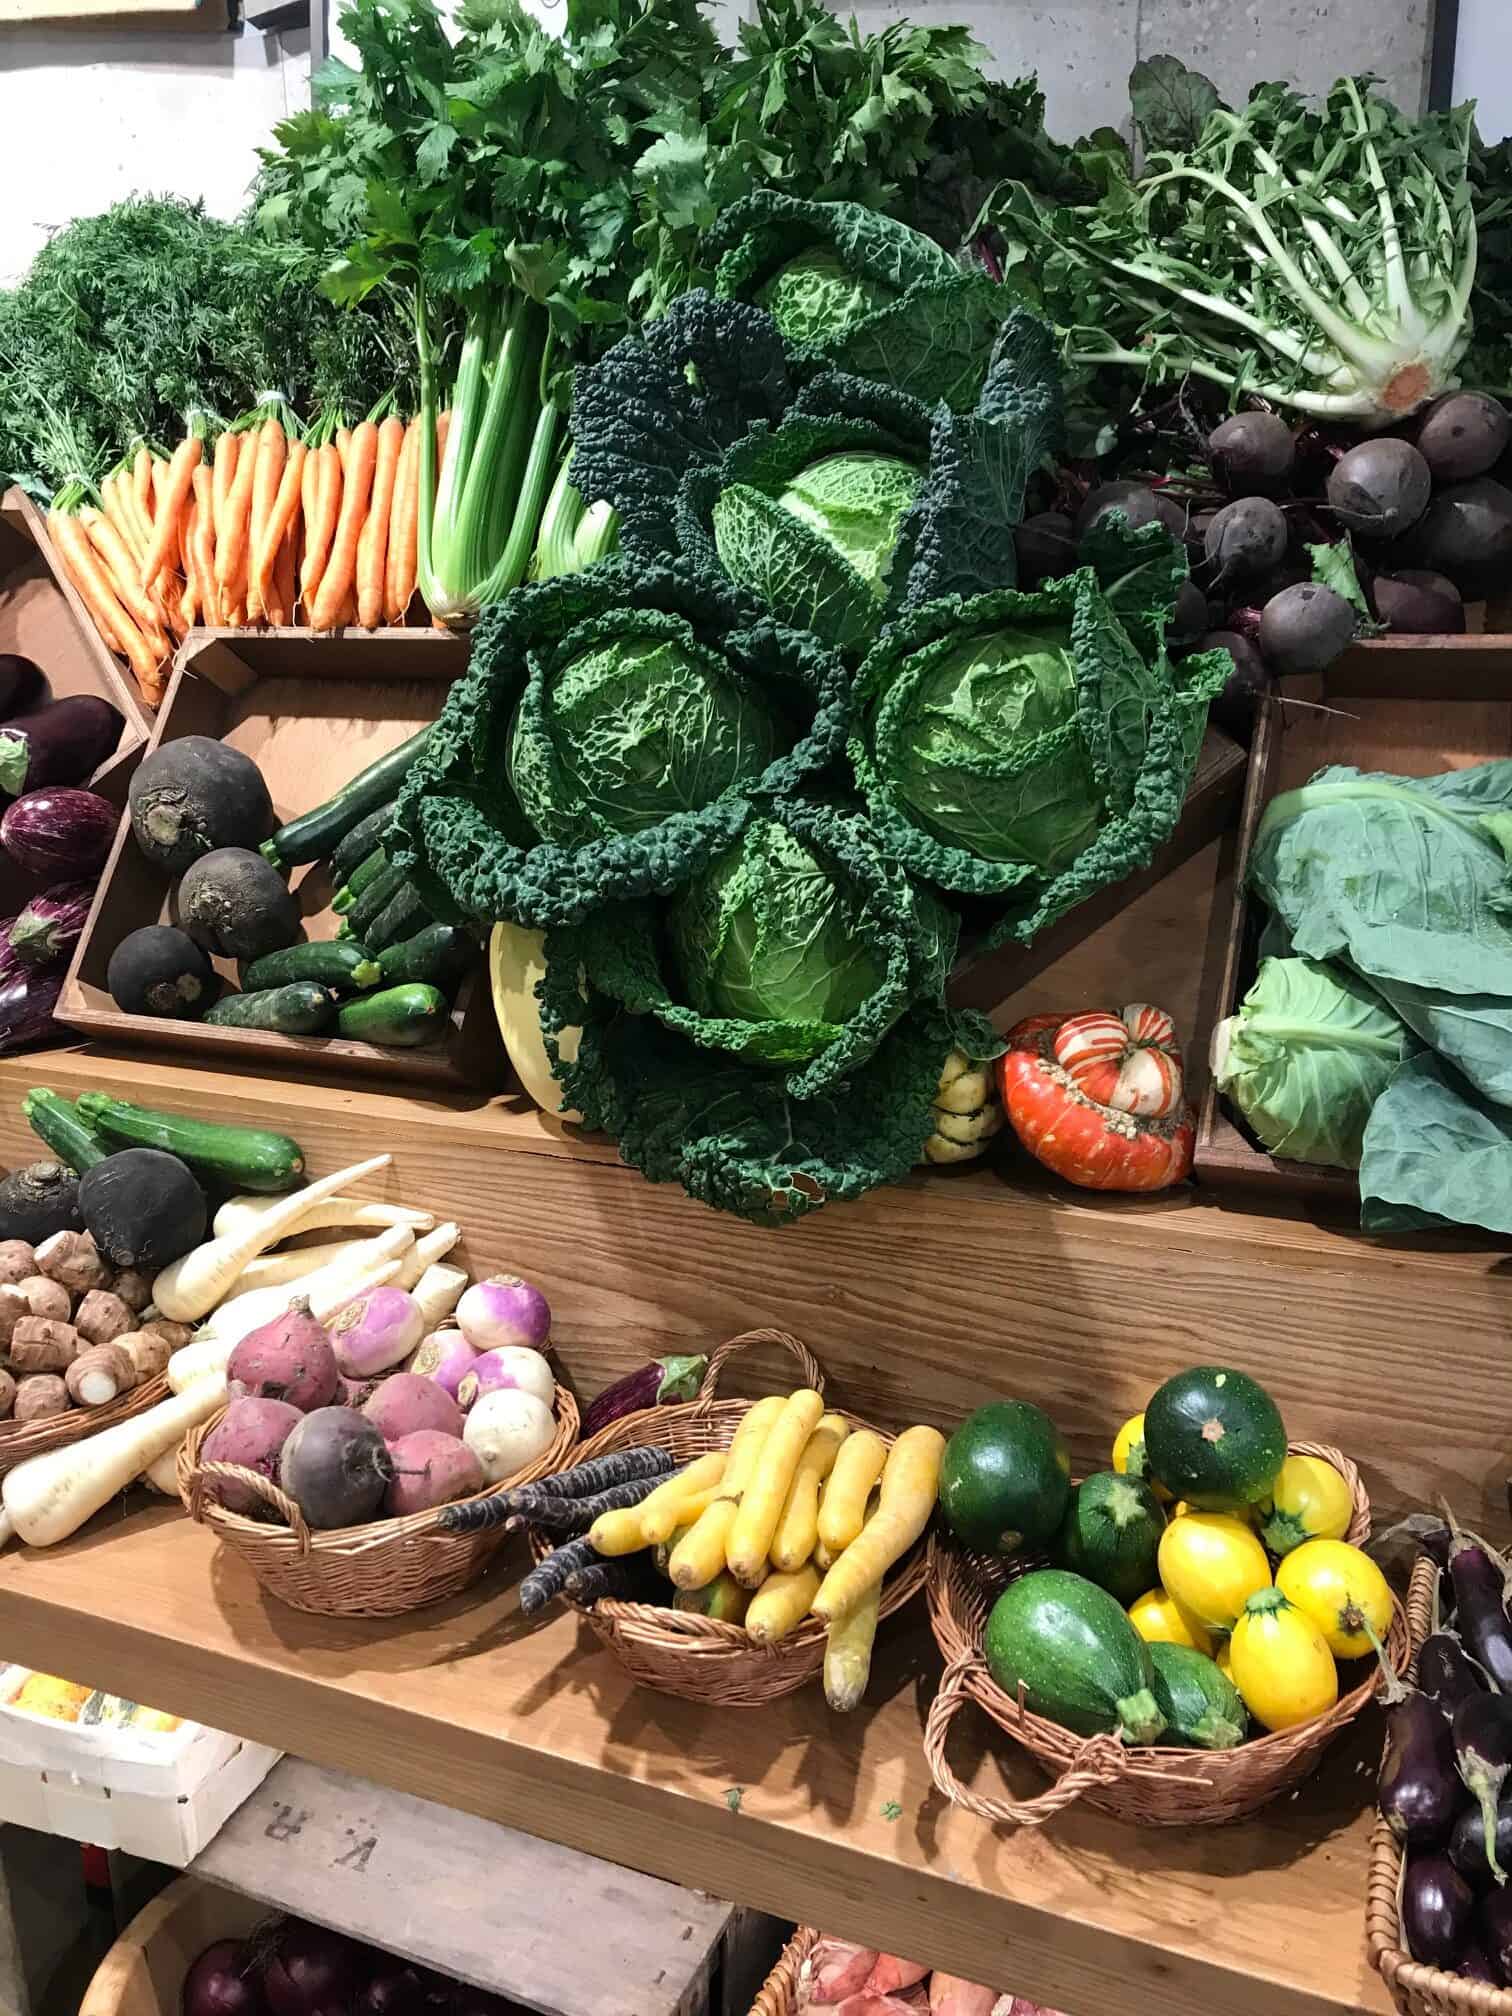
(1483, 63)
(104, 115)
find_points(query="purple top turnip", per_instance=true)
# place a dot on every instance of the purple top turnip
(445, 1356)
(504, 1310)
(375, 1331)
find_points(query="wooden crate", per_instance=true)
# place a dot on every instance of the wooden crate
(311, 712)
(143, 1973)
(1414, 705)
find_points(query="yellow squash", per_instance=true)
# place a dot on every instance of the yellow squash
(1309, 1501)
(755, 1526)
(1160, 1620)
(842, 1507)
(1223, 1658)
(1212, 1564)
(1342, 1591)
(798, 1528)
(1129, 1456)
(700, 1555)
(1280, 1663)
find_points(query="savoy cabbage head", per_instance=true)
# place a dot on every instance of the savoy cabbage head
(614, 733)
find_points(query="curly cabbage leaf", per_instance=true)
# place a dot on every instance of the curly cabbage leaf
(861, 293)
(592, 700)
(1305, 1059)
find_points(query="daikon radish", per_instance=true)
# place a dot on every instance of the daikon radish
(429, 1248)
(438, 1291)
(191, 1287)
(273, 1270)
(162, 1475)
(361, 1214)
(326, 1292)
(48, 1497)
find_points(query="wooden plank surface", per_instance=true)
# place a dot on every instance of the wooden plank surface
(813, 1816)
(469, 1897)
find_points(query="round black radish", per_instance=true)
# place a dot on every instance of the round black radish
(1380, 489)
(159, 970)
(1246, 539)
(1464, 434)
(1466, 533)
(1045, 547)
(1234, 709)
(1252, 454)
(1189, 618)
(1419, 603)
(1305, 627)
(39, 1200)
(1135, 500)
(194, 795)
(237, 905)
(142, 1208)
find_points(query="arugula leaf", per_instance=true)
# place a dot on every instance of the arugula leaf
(1333, 565)
(1171, 103)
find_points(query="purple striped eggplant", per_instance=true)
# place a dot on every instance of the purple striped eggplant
(656, 1384)
(27, 1001)
(48, 928)
(62, 742)
(59, 831)
(10, 963)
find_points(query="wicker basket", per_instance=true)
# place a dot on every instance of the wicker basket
(779, 1992)
(379, 1570)
(1416, 1990)
(18, 1441)
(697, 1658)
(1152, 1787)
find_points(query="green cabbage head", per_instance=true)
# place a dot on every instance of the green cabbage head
(817, 299)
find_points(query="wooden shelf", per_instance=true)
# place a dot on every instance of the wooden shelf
(812, 1816)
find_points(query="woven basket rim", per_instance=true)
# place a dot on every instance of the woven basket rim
(20, 1440)
(779, 1992)
(341, 1544)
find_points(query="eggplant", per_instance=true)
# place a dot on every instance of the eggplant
(654, 1384)
(1438, 1907)
(59, 831)
(1434, 1536)
(21, 683)
(1419, 1788)
(39, 1200)
(27, 1001)
(1480, 1613)
(49, 927)
(59, 743)
(1474, 1964)
(194, 795)
(1467, 1843)
(1495, 1932)
(1446, 1673)
(10, 960)
(1483, 1756)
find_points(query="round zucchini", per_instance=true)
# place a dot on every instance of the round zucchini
(401, 1017)
(330, 962)
(301, 1009)
(1214, 1437)
(1111, 1534)
(1006, 1478)
(1078, 1658)
(1201, 1706)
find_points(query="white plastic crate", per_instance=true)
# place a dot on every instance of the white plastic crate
(160, 1794)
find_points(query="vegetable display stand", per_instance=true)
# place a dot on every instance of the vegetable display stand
(1402, 705)
(1416, 1989)
(383, 1569)
(698, 1658)
(143, 1973)
(310, 712)
(1150, 1787)
(779, 1992)
(21, 1439)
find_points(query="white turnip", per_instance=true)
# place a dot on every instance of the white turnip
(508, 1430)
(406, 1404)
(336, 1467)
(288, 1359)
(445, 1356)
(251, 1433)
(375, 1330)
(504, 1310)
(510, 1367)
(430, 1468)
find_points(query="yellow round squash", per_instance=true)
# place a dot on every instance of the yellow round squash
(1160, 1620)
(1309, 1501)
(1212, 1564)
(1129, 1456)
(1280, 1663)
(1342, 1591)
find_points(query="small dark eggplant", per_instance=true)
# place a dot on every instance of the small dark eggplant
(657, 1383)
(1419, 1788)
(1446, 1673)
(48, 929)
(1480, 1614)
(60, 743)
(1474, 1965)
(21, 683)
(27, 1001)
(1434, 1536)
(1467, 1844)
(1495, 1932)
(1438, 1906)
(59, 831)
(1483, 1755)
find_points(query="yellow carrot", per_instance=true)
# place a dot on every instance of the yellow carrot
(755, 1525)
(798, 1528)
(700, 1555)
(842, 1507)
(372, 543)
(910, 1485)
(669, 1505)
(780, 1604)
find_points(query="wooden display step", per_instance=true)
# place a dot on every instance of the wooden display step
(822, 1818)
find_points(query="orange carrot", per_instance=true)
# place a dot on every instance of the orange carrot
(121, 566)
(320, 531)
(204, 543)
(281, 519)
(227, 452)
(404, 527)
(116, 510)
(280, 603)
(186, 459)
(99, 597)
(189, 602)
(356, 490)
(231, 534)
(372, 543)
(141, 482)
(272, 452)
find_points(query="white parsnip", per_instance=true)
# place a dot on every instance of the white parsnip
(361, 1214)
(191, 1287)
(427, 1250)
(273, 1270)
(438, 1291)
(212, 1347)
(162, 1475)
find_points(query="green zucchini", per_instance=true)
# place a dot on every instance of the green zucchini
(340, 963)
(1080, 1661)
(366, 871)
(359, 843)
(1200, 1703)
(1214, 1437)
(249, 1158)
(379, 893)
(316, 832)
(401, 918)
(440, 954)
(399, 1016)
(302, 1008)
(1111, 1534)
(56, 1121)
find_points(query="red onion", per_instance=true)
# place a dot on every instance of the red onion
(504, 1310)
(312, 1973)
(395, 1990)
(221, 1983)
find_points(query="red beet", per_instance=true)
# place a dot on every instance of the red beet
(288, 1359)
(221, 1983)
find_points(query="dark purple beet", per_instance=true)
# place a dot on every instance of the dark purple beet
(1234, 709)
(222, 1982)
(27, 1001)
(21, 683)
(59, 743)
(48, 928)
(1437, 1907)
(59, 831)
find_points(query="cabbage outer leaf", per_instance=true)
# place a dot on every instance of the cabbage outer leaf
(1434, 1154)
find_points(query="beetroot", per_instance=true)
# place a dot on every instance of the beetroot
(223, 1982)
(288, 1359)
(395, 1990)
(250, 1433)
(406, 1402)
(430, 1469)
(336, 1467)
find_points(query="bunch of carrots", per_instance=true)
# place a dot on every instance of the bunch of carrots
(271, 521)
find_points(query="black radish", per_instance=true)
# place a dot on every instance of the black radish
(1419, 1787)
(194, 795)
(1480, 1613)
(39, 1200)
(142, 1208)
(232, 903)
(1437, 1908)
(1483, 1756)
